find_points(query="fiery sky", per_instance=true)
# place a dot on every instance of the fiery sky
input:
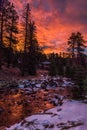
(56, 20)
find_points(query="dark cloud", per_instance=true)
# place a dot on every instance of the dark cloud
(76, 12)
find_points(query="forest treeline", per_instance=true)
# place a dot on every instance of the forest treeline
(71, 64)
(9, 38)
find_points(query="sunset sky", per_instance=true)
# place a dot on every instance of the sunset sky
(56, 20)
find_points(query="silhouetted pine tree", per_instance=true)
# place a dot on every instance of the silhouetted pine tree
(72, 44)
(76, 45)
(3, 13)
(26, 19)
(33, 49)
(80, 43)
(79, 75)
(12, 26)
(53, 69)
(25, 23)
(12, 31)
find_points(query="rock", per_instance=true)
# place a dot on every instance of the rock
(59, 109)
(13, 84)
(46, 123)
(85, 101)
(51, 126)
(21, 86)
(55, 102)
(69, 124)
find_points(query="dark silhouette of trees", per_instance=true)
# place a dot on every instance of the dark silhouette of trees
(12, 31)
(8, 28)
(26, 23)
(31, 47)
(56, 65)
(76, 44)
(5, 27)
(12, 28)
(53, 69)
(26, 19)
(77, 71)
(8, 23)
(80, 43)
(72, 44)
(3, 9)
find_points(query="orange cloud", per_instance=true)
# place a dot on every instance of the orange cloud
(56, 20)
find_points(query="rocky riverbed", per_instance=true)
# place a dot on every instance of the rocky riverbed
(22, 98)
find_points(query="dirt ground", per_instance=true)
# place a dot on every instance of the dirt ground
(11, 73)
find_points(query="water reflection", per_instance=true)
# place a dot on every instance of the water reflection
(17, 106)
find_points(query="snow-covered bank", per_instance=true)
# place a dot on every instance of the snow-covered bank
(71, 115)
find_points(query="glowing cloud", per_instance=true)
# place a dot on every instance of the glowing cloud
(56, 20)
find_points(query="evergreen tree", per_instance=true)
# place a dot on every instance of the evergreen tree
(53, 70)
(8, 23)
(4, 6)
(26, 19)
(33, 49)
(11, 31)
(26, 22)
(3, 14)
(79, 43)
(78, 76)
(72, 44)
(76, 43)
(12, 27)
